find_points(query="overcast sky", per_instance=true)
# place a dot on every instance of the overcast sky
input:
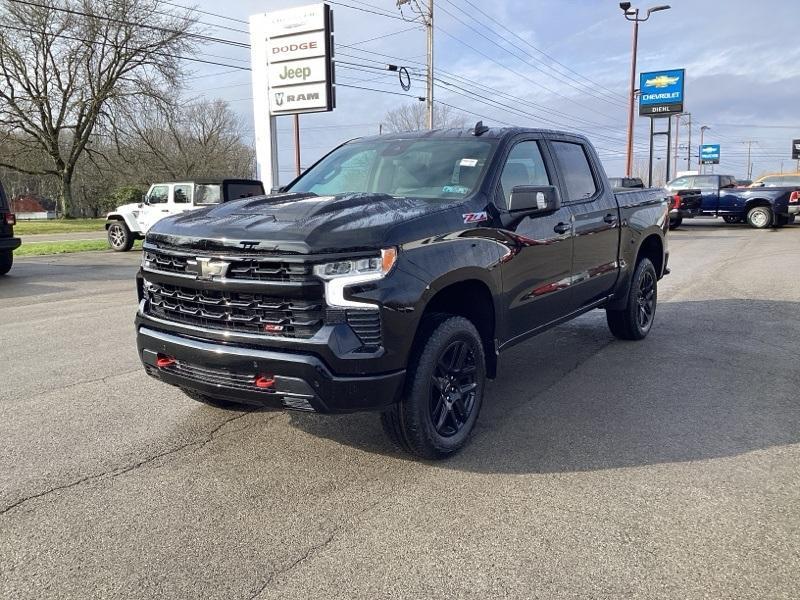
(742, 61)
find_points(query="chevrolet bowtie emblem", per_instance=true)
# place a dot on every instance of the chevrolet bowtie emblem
(206, 268)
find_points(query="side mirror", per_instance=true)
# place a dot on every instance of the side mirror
(146, 199)
(277, 190)
(534, 199)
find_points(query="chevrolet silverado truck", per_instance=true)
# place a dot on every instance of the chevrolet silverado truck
(8, 243)
(760, 207)
(130, 222)
(393, 273)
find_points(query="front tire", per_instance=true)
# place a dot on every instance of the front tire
(675, 222)
(635, 320)
(444, 390)
(120, 238)
(759, 217)
(6, 261)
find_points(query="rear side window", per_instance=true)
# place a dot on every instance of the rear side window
(183, 194)
(244, 190)
(207, 193)
(705, 182)
(576, 171)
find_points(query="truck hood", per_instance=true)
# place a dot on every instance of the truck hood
(301, 223)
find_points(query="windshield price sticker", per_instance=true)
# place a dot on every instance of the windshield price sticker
(469, 162)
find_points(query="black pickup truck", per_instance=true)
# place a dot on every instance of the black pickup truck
(8, 243)
(392, 273)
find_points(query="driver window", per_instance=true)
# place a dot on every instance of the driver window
(524, 166)
(183, 194)
(158, 195)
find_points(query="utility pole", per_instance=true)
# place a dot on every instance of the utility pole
(700, 166)
(633, 16)
(689, 148)
(749, 164)
(429, 92)
(677, 135)
(425, 13)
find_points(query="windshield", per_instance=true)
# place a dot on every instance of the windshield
(423, 168)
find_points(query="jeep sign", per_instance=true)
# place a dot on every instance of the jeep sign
(299, 73)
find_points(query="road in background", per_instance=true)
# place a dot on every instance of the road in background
(665, 468)
(38, 238)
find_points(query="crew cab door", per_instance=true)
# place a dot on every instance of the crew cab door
(155, 206)
(595, 219)
(537, 267)
(730, 202)
(709, 188)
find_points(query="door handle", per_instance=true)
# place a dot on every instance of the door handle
(610, 218)
(164, 210)
(562, 228)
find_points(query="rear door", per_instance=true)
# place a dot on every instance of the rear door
(595, 218)
(537, 269)
(156, 207)
(709, 188)
(730, 202)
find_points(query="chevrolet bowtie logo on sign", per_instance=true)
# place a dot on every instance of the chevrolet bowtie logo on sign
(661, 93)
(206, 269)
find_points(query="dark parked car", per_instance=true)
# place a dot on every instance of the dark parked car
(626, 183)
(684, 204)
(392, 274)
(760, 207)
(8, 243)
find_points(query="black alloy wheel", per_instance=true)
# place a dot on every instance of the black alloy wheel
(453, 388)
(646, 300)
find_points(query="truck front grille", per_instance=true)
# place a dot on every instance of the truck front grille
(260, 269)
(234, 311)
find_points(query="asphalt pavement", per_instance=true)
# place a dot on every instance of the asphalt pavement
(73, 236)
(666, 468)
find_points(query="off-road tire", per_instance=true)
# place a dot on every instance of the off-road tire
(410, 423)
(675, 222)
(628, 323)
(120, 238)
(759, 217)
(6, 261)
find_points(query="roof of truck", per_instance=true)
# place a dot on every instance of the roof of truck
(489, 133)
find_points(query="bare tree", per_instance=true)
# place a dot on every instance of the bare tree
(641, 168)
(203, 139)
(413, 117)
(64, 64)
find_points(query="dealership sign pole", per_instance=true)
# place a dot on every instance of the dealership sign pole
(291, 55)
(661, 95)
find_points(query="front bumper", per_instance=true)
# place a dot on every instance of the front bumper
(301, 381)
(10, 243)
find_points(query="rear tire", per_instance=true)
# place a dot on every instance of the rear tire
(6, 261)
(120, 238)
(675, 222)
(635, 320)
(215, 402)
(759, 217)
(444, 390)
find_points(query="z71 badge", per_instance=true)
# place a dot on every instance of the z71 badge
(477, 217)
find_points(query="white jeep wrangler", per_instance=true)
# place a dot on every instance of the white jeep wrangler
(130, 222)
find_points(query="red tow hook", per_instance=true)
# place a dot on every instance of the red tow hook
(264, 382)
(162, 361)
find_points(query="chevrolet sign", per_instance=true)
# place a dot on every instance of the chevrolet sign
(661, 93)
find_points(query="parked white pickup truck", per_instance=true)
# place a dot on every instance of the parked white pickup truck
(130, 222)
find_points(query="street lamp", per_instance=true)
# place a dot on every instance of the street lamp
(699, 154)
(632, 14)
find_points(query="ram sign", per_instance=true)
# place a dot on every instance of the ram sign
(661, 93)
(297, 56)
(709, 154)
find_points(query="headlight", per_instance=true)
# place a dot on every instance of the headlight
(361, 266)
(342, 273)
